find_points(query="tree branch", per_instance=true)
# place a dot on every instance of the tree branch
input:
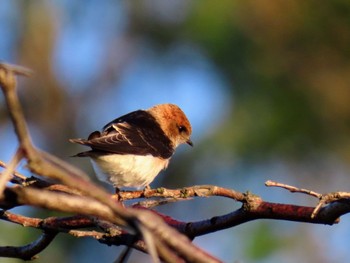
(28, 252)
(91, 206)
(46, 165)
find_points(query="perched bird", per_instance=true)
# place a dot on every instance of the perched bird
(131, 150)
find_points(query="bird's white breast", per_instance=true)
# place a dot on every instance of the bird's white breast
(128, 170)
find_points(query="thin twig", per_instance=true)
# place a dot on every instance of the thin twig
(90, 199)
(323, 198)
(123, 257)
(329, 198)
(7, 174)
(293, 189)
(150, 243)
(8, 84)
(46, 165)
(20, 176)
(16, 69)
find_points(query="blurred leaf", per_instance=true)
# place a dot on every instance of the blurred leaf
(262, 242)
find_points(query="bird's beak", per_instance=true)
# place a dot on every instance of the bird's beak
(189, 142)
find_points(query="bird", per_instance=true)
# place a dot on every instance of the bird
(130, 151)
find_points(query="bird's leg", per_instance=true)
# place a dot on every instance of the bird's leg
(117, 195)
(146, 189)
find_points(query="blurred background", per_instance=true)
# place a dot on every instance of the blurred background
(266, 85)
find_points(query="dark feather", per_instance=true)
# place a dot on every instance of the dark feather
(134, 133)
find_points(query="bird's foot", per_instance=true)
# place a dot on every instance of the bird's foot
(117, 196)
(145, 190)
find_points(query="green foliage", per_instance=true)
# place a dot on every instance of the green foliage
(288, 65)
(262, 242)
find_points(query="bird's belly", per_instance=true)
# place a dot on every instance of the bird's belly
(128, 170)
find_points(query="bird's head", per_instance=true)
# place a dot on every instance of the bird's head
(173, 122)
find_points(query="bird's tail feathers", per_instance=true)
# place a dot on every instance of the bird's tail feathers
(82, 154)
(79, 141)
(94, 135)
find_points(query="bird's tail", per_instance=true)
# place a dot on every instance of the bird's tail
(79, 141)
(82, 154)
(83, 142)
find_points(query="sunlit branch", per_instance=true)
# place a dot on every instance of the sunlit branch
(62, 187)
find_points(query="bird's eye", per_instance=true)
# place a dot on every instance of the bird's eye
(182, 129)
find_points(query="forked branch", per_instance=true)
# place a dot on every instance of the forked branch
(48, 166)
(70, 190)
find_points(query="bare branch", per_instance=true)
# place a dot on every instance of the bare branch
(84, 205)
(71, 191)
(28, 252)
(7, 174)
(293, 189)
(253, 208)
(329, 198)
(323, 198)
(19, 177)
(17, 70)
(61, 224)
(184, 193)
(8, 84)
(150, 243)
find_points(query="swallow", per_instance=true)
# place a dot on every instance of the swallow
(130, 151)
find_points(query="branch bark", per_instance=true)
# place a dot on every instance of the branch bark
(46, 165)
(92, 207)
(29, 252)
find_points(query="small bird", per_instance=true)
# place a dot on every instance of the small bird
(131, 150)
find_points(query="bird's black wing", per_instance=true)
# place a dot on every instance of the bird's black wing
(135, 133)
